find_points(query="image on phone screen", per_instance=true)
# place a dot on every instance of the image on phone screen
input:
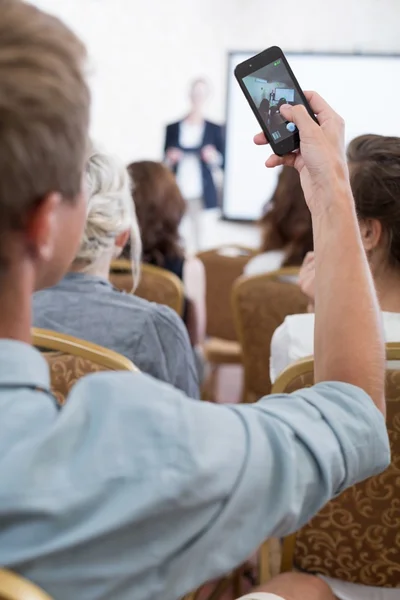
(270, 87)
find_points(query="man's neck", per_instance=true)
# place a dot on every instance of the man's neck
(16, 304)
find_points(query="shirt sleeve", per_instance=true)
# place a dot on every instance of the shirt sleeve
(280, 345)
(180, 491)
(281, 460)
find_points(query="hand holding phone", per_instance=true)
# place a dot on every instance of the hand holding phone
(321, 161)
(268, 83)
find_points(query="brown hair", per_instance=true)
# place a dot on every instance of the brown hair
(44, 110)
(159, 208)
(286, 222)
(374, 162)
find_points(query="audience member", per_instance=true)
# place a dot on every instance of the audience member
(128, 489)
(286, 227)
(86, 305)
(160, 208)
(374, 163)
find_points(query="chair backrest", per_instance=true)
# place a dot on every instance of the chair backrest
(222, 266)
(161, 286)
(155, 285)
(14, 587)
(355, 537)
(70, 358)
(121, 274)
(260, 305)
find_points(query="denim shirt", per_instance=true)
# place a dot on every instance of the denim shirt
(132, 491)
(152, 336)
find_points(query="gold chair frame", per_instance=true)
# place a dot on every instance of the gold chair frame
(60, 342)
(15, 587)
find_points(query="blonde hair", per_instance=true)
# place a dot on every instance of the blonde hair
(110, 212)
(44, 110)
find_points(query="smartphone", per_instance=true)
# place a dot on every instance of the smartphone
(267, 81)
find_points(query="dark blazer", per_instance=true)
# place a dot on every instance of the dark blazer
(213, 134)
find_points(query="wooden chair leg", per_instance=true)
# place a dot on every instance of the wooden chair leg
(221, 587)
(264, 567)
(211, 384)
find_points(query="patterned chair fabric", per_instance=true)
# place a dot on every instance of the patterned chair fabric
(261, 305)
(66, 369)
(356, 536)
(222, 266)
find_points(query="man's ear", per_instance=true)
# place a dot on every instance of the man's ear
(120, 242)
(371, 233)
(41, 226)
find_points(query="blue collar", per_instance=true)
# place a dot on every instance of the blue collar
(21, 365)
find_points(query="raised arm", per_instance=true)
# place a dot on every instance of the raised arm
(349, 344)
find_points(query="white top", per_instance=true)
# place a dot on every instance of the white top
(352, 591)
(265, 262)
(294, 339)
(189, 176)
(342, 590)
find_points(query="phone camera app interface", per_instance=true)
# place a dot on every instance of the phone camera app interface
(270, 87)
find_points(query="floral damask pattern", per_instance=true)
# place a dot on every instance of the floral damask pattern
(356, 537)
(65, 370)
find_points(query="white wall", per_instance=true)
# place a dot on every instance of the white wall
(144, 52)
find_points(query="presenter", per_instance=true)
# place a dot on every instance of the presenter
(194, 150)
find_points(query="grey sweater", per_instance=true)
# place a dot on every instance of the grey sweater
(152, 336)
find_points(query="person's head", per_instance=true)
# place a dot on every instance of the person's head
(374, 165)
(160, 208)
(286, 222)
(44, 115)
(281, 102)
(111, 217)
(199, 93)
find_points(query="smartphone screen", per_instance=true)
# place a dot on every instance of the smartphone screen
(268, 82)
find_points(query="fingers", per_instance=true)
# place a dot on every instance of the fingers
(278, 161)
(260, 139)
(300, 117)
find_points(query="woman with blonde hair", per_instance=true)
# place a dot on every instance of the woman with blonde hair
(85, 304)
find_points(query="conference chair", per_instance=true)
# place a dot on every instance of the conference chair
(155, 285)
(70, 358)
(355, 537)
(121, 275)
(260, 305)
(223, 266)
(15, 587)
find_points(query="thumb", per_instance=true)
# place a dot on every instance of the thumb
(300, 117)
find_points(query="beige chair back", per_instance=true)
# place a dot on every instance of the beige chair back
(14, 587)
(155, 285)
(222, 266)
(355, 537)
(121, 275)
(260, 305)
(70, 358)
